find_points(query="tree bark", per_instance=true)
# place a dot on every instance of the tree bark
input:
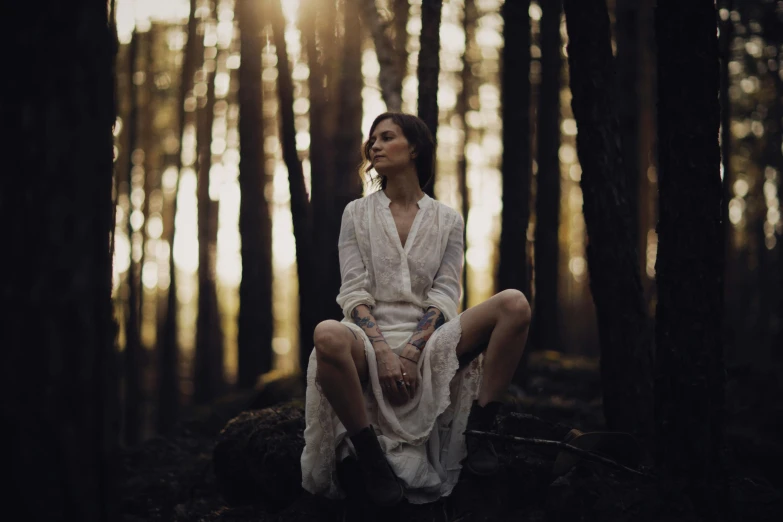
(168, 373)
(208, 380)
(322, 177)
(390, 76)
(627, 36)
(428, 71)
(348, 138)
(300, 205)
(513, 268)
(544, 331)
(400, 23)
(255, 321)
(726, 36)
(58, 375)
(132, 356)
(469, 21)
(689, 385)
(626, 358)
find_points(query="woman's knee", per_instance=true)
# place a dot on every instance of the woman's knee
(330, 339)
(514, 306)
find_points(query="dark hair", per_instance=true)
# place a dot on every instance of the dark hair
(416, 132)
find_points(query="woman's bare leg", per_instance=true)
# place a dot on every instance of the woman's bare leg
(501, 324)
(341, 368)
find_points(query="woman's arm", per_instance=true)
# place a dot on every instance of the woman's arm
(355, 280)
(430, 321)
(364, 319)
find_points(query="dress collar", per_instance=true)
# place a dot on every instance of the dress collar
(384, 199)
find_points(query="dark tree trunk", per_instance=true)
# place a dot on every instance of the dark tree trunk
(429, 69)
(58, 375)
(208, 381)
(469, 21)
(255, 321)
(390, 76)
(133, 352)
(348, 137)
(626, 357)
(689, 383)
(627, 36)
(401, 15)
(300, 205)
(513, 269)
(168, 372)
(544, 330)
(321, 174)
(726, 35)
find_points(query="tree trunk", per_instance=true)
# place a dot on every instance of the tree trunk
(168, 371)
(428, 70)
(626, 357)
(390, 76)
(544, 331)
(401, 15)
(469, 21)
(321, 175)
(133, 351)
(348, 138)
(208, 380)
(513, 269)
(627, 36)
(689, 384)
(58, 375)
(300, 206)
(726, 36)
(255, 321)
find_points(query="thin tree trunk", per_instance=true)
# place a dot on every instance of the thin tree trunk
(132, 356)
(255, 321)
(208, 380)
(348, 139)
(627, 36)
(168, 372)
(513, 269)
(469, 21)
(58, 374)
(300, 206)
(429, 69)
(545, 332)
(321, 175)
(726, 36)
(626, 358)
(400, 23)
(689, 383)
(390, 76)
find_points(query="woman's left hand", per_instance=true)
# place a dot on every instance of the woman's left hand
(410, 376)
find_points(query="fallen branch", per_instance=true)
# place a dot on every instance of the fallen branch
(587, 455)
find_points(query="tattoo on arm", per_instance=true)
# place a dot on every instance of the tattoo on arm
(430, 321)
(369, 326)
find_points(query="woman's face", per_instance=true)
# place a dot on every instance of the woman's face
(389, 150)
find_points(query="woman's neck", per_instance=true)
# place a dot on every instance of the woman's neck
(404, 191)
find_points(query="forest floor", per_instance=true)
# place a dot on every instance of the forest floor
(173, 479)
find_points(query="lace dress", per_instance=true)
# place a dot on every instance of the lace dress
(423, 439)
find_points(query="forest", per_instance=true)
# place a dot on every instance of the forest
(176, 174)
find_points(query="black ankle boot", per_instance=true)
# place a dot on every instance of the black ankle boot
(380, 482)
(482, 458)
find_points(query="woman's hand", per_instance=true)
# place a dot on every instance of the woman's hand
(412, 379)
(392, 376)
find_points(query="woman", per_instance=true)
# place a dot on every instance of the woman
(399, 380)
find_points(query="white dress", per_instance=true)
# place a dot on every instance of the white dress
(423, 439)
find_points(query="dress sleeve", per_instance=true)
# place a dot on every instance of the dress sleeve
(445, 292)
(355, 286)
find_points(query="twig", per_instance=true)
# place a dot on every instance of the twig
(587, 455)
